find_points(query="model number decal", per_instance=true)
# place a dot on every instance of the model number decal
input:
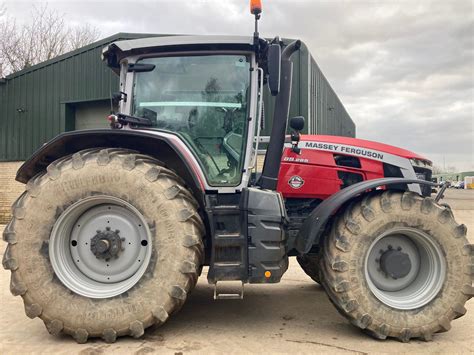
(296, 160)
(344, 149)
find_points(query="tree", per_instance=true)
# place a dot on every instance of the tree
(45, 36)
(437, 170)
(447, 170)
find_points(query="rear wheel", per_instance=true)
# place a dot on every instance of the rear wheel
(398, 265)
(104, 243)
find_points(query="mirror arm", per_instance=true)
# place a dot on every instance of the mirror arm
(295, 139)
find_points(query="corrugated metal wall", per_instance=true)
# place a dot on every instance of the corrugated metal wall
(34, 103)
(299, 99)
(327, 113)
(33, 107)
(313, 98)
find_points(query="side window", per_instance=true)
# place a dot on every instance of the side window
(203, 99)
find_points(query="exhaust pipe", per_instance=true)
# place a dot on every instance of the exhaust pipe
(271, 166)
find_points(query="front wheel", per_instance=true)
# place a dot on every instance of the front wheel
(104, 243)
(310, 265)
(398, 265)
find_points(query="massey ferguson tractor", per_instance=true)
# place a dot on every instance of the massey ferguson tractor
(116, 224)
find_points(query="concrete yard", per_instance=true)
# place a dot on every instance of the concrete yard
(292, 316)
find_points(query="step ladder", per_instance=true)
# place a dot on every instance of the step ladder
(229, 253)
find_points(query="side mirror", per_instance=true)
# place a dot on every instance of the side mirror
(297, 124)
(274, 68)
(116, 98)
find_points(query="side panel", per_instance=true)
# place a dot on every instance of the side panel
(325, 166)
(316, 173)
(267, 249)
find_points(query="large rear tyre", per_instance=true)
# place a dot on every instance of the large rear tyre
(310, 265)
(105, 243)
(398, 265)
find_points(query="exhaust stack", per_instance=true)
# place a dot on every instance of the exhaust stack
(271, 166)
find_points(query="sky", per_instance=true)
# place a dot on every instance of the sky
(403, 69)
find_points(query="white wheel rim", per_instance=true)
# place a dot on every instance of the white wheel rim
(83, 269)
(421, 284)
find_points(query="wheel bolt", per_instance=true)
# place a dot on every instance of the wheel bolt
(117, 231)
(107, 228)
(399, 248)
(390, 247)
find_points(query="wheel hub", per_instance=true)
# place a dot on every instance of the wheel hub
(395, 263)
(107, 244)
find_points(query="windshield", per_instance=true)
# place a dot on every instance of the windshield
(204, 99)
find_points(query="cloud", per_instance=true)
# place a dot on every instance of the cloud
(403, 69)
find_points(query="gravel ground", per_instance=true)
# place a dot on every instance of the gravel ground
(292, 316)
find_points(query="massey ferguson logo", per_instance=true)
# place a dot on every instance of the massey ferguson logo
(296, 182)
(343, 149)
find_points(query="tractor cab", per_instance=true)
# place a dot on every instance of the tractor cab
(202, 89)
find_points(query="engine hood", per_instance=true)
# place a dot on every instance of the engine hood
(362, 143)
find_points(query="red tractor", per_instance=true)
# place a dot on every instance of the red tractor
(115, 225)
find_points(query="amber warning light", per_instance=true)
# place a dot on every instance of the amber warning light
(255, 7)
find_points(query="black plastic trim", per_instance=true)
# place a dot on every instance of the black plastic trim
(315, 223)
(146, 143)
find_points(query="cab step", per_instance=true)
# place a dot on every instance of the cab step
(229, 296)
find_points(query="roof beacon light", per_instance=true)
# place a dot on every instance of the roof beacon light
(256, 10)
(255, 7)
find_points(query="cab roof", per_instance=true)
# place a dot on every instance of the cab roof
(116, 51)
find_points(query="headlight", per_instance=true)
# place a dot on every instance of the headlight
(420, 176)
(421, 163)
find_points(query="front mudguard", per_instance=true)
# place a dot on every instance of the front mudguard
(314, 225)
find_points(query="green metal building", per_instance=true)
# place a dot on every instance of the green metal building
(72, 91)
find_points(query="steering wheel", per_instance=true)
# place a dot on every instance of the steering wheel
(228, 118)
(192, 118)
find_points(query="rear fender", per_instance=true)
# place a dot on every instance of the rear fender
(165, 147)
(315, 223)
